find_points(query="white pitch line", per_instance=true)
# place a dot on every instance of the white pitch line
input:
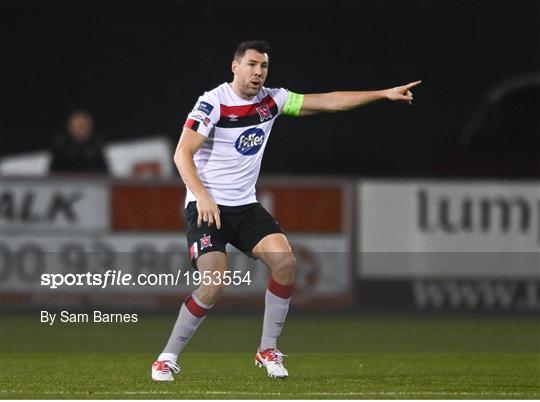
(382, 393)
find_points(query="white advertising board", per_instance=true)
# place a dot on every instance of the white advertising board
(31, 164)
(145, 157)
(451, 229)
(29, 206)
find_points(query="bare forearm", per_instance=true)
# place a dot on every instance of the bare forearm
(188, 173)
(347, 100)
(340, 100)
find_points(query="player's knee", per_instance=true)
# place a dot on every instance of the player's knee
(210, 293)
(216, 289)
(283, 266)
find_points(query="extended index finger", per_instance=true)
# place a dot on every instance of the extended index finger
(413, 84)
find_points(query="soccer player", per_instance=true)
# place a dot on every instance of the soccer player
(219, 158)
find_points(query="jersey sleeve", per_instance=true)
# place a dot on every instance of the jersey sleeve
(280, 97)
(204, 115)
(289, 103)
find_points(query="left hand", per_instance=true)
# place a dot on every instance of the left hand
(402, 93)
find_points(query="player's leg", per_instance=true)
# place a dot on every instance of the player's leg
(207, 248)
(259, 234)
(274, 250)
(192, 313)
(276, 253)
(196, 306)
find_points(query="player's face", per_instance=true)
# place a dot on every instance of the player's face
(250, 72)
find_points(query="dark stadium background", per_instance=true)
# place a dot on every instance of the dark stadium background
(139, 66)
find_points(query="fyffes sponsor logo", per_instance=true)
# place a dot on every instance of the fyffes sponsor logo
(250, 141)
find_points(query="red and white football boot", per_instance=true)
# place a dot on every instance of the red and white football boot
(163, 370)
(272, 359)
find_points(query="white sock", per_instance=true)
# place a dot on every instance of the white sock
(275, 312)
(168, 356)
(192, 314)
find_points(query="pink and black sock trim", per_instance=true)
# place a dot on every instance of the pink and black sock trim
(283, 291)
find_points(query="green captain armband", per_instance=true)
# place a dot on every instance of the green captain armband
(293, 104)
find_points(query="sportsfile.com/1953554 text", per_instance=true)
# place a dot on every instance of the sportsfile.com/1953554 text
(113, 277)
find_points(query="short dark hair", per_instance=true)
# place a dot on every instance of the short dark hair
(260, 46)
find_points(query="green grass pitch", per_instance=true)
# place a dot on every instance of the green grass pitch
(329, 358)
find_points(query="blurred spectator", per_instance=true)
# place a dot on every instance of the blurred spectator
(78, 150)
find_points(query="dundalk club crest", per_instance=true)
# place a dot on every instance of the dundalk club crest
(206, 241)
(264, 112)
